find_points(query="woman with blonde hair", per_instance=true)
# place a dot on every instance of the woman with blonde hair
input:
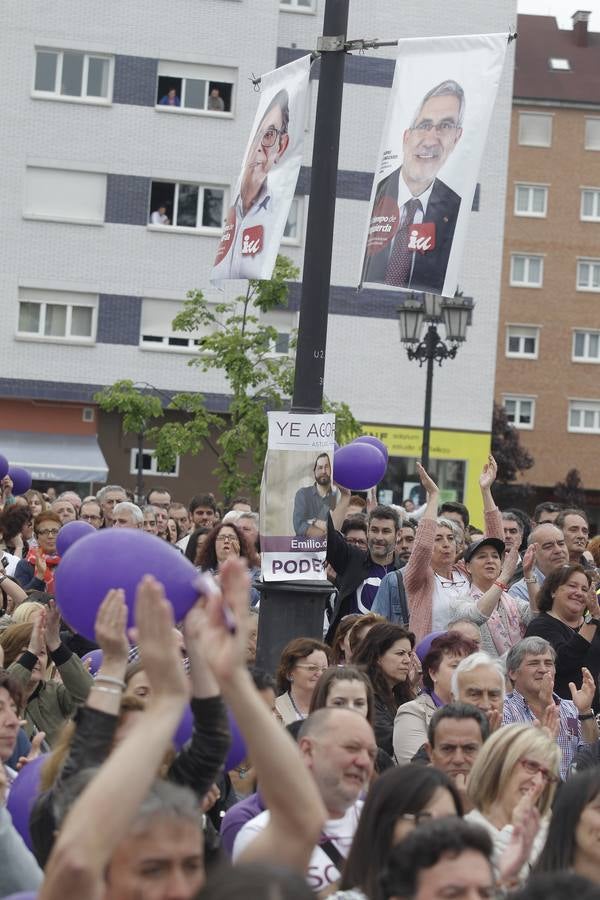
(25, 612)
(511, 787)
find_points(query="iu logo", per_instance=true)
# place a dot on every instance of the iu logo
(252, 240)
(422, 237)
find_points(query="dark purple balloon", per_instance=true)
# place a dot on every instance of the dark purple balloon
(70, 533)
(96, 657)
(374, 442)
(21, 797)
(119, 558)
(358, 467)
(3, 466)
(21, 479)
(237, 750)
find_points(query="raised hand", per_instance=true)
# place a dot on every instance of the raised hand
(593, 607)
(224, 638)
(495, 719)
(53, 626)
(110, 627)
(526, 823)
(550, 720)
(583, 697)
(159, 650)
(509, 565)
(36, 750)
(488, 474)
(546, 689)
(529, 560)
(40, 566)
(37, 641)
(427, 481)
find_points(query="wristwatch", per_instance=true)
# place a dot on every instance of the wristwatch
(592, 621)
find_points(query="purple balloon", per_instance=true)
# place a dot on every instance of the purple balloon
(185, 728)
(96, 657)
(21, 479)
(424, 646)
(70, 533)
(23, 895)
(374, 442)
(119, 558)
(358, 467)
(3, 466)
(22, 795)
(237, 750)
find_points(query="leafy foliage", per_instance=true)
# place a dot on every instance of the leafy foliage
(570, 491)
(136, 407)
(507, 450)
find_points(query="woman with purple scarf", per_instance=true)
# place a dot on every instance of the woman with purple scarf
(439, 662)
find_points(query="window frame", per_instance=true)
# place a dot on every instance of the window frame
(301, 209)
(585, 135)
(527, 257)
(518, 399)
(187, 229)
(547, 116)
(293, 7)
(37, 94)
(585, 260)
(585, 358)
(152, 470)
(529, 213)
(554, 60)
(511, 354)
(67, 338)
(596, 192)
(580, 405)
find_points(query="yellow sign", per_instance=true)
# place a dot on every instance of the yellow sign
(472, 447)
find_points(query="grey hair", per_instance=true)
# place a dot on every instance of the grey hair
(126, 506)
(249, 515)
(511, 517)
(444, 88)
(454, 527)
(473, 662)
(529, 646)
(106, 489)
(532, 537)
(149, 508)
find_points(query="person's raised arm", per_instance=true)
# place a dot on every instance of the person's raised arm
(487, 602)
(287, 788)
(417, 568)
(492, 515)
(102, 815)
(533, 587)
(432, 492)
(341, 508)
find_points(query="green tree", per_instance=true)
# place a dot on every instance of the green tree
(507, 449)
(238, 343)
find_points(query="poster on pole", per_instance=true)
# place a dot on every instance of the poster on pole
(296, 496)
(436, 126)
(264, 191)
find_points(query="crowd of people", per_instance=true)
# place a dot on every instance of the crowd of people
(439, 739)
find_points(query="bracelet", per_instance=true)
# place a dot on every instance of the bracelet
(3, 578)
(110, 680)
(586, 716)
(106, 690)
(501, 585)
(532, 580)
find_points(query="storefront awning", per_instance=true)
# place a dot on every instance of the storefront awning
(55, 457)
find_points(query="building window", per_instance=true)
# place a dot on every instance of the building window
(187, 205)
(590, 205)
(57, 316)
(283, 324)
(299, 5)
(592, 134)
(586, 346)
(526, 271)
(520, 411)
(535, 130)
(72, 75)
(64, 195)
(588, 274)
(292, 233)
(522, 341)
(190, 87)
(559, 65)
(149, 465)
(531, 200)
(584, 416)
(157, 332)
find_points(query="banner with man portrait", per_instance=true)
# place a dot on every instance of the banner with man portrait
(296, 496)
(436, 126)
(264, 191)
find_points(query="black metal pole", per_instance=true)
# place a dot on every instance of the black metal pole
(290, 610)
(140, 468)
(431, 340)
(314, 304)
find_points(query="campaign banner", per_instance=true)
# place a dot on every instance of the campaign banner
(265, 188)
(436, 126)
(296, 496)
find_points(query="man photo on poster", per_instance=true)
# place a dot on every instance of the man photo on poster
(249, 220)
(414, 212)
(312, 504)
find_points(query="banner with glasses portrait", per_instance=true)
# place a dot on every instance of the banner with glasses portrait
(439, 111)
(296, 496)
(265, 188)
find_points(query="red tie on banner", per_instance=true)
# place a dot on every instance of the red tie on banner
(399, 265)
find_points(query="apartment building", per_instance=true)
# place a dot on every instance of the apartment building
(548, 374)
(113, 117)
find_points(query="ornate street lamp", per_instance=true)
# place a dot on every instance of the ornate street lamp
(455, 315)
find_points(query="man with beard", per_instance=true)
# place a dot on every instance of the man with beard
(312, 504)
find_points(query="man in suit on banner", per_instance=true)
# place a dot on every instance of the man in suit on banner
(414, 213)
